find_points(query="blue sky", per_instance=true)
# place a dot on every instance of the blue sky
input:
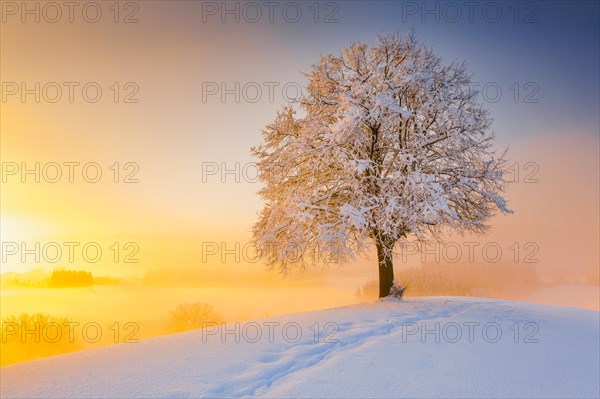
(553, 44)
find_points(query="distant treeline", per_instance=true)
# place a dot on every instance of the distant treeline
(70, 278)
(483, 280)
(58, 278)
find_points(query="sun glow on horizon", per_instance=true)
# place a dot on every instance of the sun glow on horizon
(16, 227)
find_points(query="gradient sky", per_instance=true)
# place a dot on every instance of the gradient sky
(171, 52)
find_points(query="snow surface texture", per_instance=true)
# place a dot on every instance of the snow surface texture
(378, 350)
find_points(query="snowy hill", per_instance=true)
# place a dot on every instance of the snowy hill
(423, 347)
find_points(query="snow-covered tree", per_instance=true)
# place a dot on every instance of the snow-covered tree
(389, 142)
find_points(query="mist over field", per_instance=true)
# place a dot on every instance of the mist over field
(145, 301)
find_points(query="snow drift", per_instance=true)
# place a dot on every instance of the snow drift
(422, 347)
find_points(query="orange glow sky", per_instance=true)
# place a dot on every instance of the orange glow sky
(171, 131)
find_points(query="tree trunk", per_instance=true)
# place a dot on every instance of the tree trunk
(386, 268)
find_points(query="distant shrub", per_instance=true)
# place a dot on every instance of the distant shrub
(191, 316)
(31, 336)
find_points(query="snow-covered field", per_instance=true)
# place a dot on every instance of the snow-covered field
(422, 347)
